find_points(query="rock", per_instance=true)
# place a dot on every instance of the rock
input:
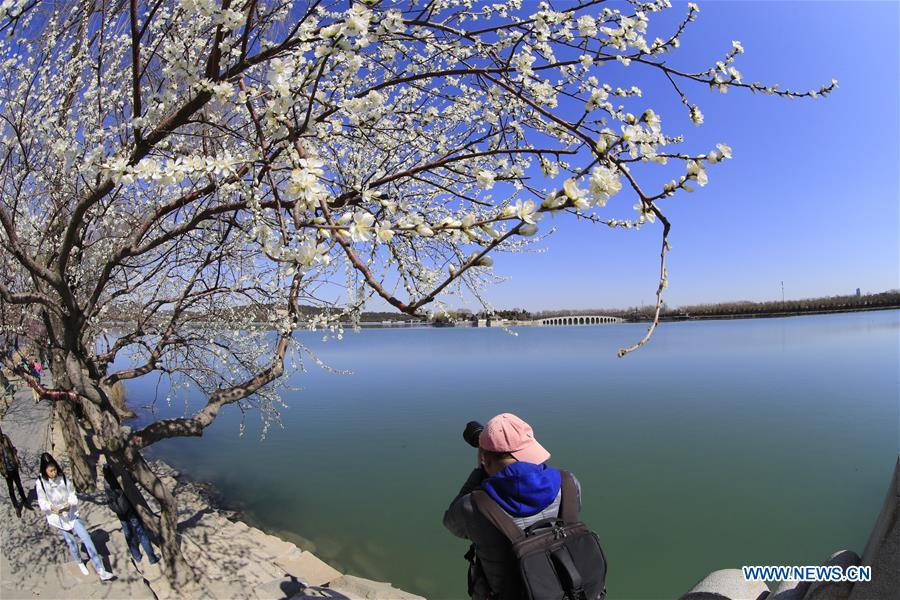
(272, 545)
(157, 581)
(727, 584)
(226, 590)
(790, 590)
(882, 551)
(885, 572)
(370, 590)
(240, 526)
(320, 592)
(286, 587)
(834, 590)
(308, 568)
(257, 573)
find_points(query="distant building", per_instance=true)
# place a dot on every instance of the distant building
(857, 293)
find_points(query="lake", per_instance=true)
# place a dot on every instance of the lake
(717, 445)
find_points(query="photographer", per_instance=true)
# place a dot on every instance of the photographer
(512, 472)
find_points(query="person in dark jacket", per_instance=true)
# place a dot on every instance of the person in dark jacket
(8, 388)
(9, 465)
(512, 472)
(132, 527)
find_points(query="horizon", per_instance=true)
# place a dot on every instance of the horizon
(670, 306)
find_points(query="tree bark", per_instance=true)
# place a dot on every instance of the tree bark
(179, 573)
(84, 475)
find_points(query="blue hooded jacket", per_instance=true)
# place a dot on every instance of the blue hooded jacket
(523, 489)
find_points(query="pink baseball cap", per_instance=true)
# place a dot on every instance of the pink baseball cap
(509, 433)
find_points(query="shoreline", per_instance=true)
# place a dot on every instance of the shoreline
(277, 567)
(232, 558)
(769, 315)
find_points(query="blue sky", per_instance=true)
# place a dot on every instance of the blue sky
(811, 197)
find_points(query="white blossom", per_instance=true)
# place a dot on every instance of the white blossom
(696, 171)
(587, 26)
(604, 183)
(526, 211)
(357, 21)
(696, 115)
(360, 230)
(485, 179)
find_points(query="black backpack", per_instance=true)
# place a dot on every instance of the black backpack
(120, 504)
(8, 458)
(558, 559)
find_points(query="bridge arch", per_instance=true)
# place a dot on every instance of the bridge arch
(577, 320)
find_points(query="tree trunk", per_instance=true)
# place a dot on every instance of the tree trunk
(84, 476)
(77, 445)
(179, 573)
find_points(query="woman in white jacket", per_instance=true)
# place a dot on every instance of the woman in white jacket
(56, 497)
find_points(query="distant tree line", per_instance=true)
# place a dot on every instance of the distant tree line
(889, 299)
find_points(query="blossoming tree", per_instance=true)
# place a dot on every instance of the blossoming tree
(179, 179)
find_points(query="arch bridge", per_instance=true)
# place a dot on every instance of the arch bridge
(578, 320)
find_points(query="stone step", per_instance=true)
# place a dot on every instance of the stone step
(226, 590)
(357, 587)
(289, 587)
(271, 545)
(258, 572)
(308, 568)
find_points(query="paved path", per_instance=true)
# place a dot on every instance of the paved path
(34, 559)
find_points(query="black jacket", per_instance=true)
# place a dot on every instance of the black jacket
(119, 503)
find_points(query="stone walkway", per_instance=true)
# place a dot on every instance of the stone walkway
(236, 561)
(34, 559)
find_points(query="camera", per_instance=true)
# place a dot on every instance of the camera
(472, 432)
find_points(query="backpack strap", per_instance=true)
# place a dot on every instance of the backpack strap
(488, 507)
(566, 570)
(568, 504)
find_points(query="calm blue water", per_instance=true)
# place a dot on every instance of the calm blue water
(719, 444)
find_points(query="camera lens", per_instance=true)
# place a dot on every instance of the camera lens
(472, 432)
